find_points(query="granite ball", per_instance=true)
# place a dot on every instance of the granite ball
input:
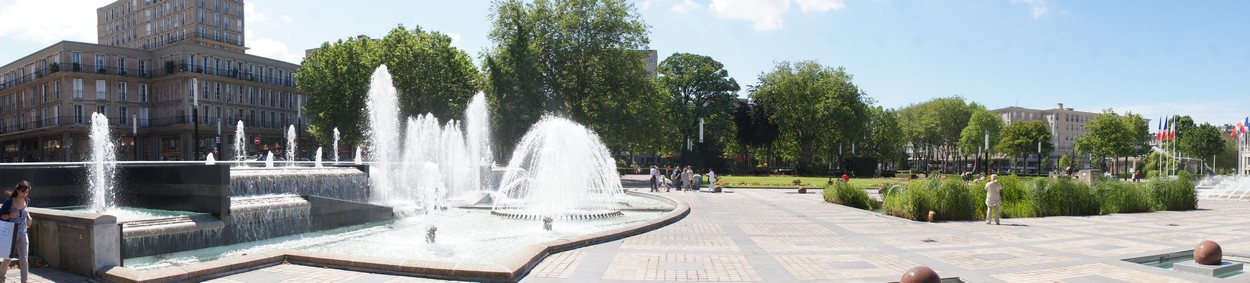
(1208, 253)
(802, 190)
(920, 274)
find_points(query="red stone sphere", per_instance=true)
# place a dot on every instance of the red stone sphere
(1208, 253)
(920, 274)
(802, 190)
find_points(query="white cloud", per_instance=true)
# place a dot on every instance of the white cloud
(685, 7)
(816, 6)
(47, 22)
(766, 15)
(1037, 8)
(455, 37)
(253, 15)
(645, 4)
(286, 18)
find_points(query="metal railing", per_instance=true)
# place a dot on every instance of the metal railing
(168, 69)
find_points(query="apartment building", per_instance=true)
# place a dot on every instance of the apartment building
(152, 56)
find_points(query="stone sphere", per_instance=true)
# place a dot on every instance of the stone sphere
(931, 216)
(802, 190)
(920, 274)
(1208, 253)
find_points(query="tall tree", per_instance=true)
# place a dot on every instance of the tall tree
(580, 59)
(700, 91)
(336, 78)
(886, 136)
(973, 137)
(1203, 141)
(430, 76)
(1022, 139)
(934, 127)
(1106, 136)
(753, 128)
(809, 102)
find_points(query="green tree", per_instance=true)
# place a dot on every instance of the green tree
(336, 77)
(575, 58)
(809, 102)
(1065, 162)
(934, 129)
(886, 136)
(1203, 141)
(700, 91)
(1021, 139)
(1106, 136)
(429, 75)
(973, 137)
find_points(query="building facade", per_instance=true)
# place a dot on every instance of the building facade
(152, 56)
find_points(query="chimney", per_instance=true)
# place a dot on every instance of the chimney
(1060, 106)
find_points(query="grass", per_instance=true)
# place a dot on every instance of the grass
(848, 195)
(787, 182)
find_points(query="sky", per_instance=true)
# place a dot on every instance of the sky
(1149, 57)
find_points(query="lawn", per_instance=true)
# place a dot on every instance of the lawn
(787, 182)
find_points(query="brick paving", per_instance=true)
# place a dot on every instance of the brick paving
(779, 236)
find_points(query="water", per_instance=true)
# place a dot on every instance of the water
(358, 159)
(1167, 263)
(477, 139)
(290, 145)
(240, 142)
(1224, 187)
(263, 217)
(210, 160)
(563, 170)
(382, 136)
(336, 146)
(317, 162)
(269, 160)
(464, 235)
(345, 183)
(128, 214)
(103, 164)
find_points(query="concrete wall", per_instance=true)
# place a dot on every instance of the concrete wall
(78, 242)
(185, 187)
(328, 213)
(51, 186)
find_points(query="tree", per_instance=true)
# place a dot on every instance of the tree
(753, 128)
(887, 141)
(576, 58)
(1106, 136)
(429, 75)
(1021, 139)
(1203, 141)
(810, 102)
(1065, 162)
(700, 91)
(336, 77)
(973, 137)
(934, 128)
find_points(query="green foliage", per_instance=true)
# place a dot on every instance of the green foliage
(913, 202)
(886, 135)
(1064, 197)
(1021, 139)
(577, 58)
(949, 199)
(428, 73)
(1174, 194)
(700, 90)
(1203, 141)
(1120, 197)
(813, 105)
(983, 122)
(848, 195)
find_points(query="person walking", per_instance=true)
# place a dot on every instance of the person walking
(677, 179)
(655, 179)
(992, 200)
(711, 178)
(14, 210)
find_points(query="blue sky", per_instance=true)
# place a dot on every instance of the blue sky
(1149, 57)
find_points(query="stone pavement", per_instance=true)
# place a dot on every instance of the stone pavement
(780, 236)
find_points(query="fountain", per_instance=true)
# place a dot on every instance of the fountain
(290, 145)
(565, 172)
(358, 159)
(240, 142)
(477, 138)
(103, 164)
(1224, 187)
(336, 146)
(317, 162)
(269, 160)
(209, 160)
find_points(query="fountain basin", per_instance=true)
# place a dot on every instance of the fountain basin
(510, 267)
(1183, 261)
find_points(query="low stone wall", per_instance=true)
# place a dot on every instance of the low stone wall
(184, 187)
(78, 242)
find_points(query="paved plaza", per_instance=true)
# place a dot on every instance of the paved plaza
(780, 236)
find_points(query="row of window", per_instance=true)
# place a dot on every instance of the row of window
(45, 93)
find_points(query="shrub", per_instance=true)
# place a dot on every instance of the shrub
(912, 202)
(1120, 197)
(1173, 194)
(949, 199)
(1064, 197)
(889, 188)
(848, 195)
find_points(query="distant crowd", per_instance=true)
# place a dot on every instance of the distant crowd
(679, 178)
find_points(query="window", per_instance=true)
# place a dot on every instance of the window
(143, 68)
(124, 115)
(78, 114)
(43, 93)
(121, 65)
(56, 89)
(101, 90)
(76, 58)
(100, 109)
(121, 91)
(272, 121)
(99, 62)
(56, 114)
(143, 92)
(217, 91)
(77, 88)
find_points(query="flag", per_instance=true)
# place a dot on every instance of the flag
(1159, 131)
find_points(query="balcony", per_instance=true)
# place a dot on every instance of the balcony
(169, 69)
(72, 121)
